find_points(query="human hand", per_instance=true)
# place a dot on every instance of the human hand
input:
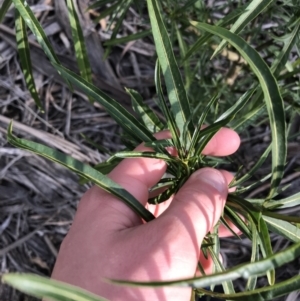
(108, 240)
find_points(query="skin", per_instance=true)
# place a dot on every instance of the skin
(108, 240)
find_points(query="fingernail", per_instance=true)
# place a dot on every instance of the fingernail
(211, 177)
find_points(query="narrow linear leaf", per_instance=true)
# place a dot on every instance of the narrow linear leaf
(237, 221)
(117, 20)
(245, 205)
(224, 119)
(153, 155)
(151, 121)
(197, 133)
(4, 8)
(249, 117)
(261, 294)
(105, 167)
(42, 287)
(207, 133)
(276, 68)
(186, 65)
(164, 183)
(99, 4)
(241, 190)
(266, 247)
(84, 171)
(129, 38)
(205, 37)
(107, 11)
(283, 228)
(241, 271)
(254, 168)
(272, 95)
(164, 195)
(127, 121)
(218, 266)
(177, 95)
(35, 27)
(238, 106)
(251, 282)
(250, 13)
(24, 54)
(288, 218)
(289, 42)
(160, 143)
(166, 112)
(288, 202)
(228, 227)
(79, 43)
(100, 147)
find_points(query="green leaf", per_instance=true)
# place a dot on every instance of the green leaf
(25, 61)
(241, 271)
(129, 38)
(117, 19)
(186, 65)
(245, 205)
(289, 42)
(207, 133)
(218, 266)
(283, 228)
(166, 112)
(4, 8)
(127, 121)
(42, 287)
(288, 202)
(105, 167)
(84, 171)
(79, 43)
(177, 95)
(241, 190)
(250, 13)
(99, 4)
(107, 12)
(238, 106)
(100, 147)
(261, 294)
(151, 121)
(136, 154)
(237, 221)
(36, 29)
(254, 168)
(272, 96)
(249, 117)
(251, 282)
(266, 247)
(289, 218)
(206, 36)
(164, 195)
(224, 119)
(197, 133)
(278, 64)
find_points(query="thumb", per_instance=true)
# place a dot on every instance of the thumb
(198, 205)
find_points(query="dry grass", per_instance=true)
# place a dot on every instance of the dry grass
(38, 199)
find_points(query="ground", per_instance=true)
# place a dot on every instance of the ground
(38, 198)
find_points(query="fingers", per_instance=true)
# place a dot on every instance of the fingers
(139, 174)
(198, 205)
(224, 143)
